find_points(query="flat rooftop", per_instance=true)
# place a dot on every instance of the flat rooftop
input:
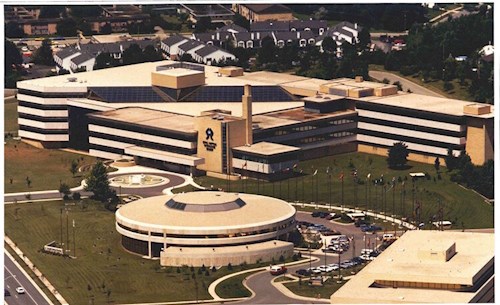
(150, 118)
(402, 261)
(258, 210)
(293, 116)
(414, 101)
(266, 148)
(179, 72)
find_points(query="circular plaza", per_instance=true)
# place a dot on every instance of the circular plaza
(207, 228)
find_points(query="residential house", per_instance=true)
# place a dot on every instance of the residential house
(171, 45)
(218, 39)
(270, 26)
(318, 27)
(63, 58)
(249, 40)
(210, 55)
(189, 47)
(84, 61)
(300, 39)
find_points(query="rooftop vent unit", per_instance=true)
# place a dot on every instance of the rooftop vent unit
(72, 79)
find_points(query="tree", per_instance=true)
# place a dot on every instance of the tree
(397, 155)
(74, 167)
(105, 60)
(132, 55)
(450, 160)
(44, 54)
(12, 56)
(203, 24)
(437, 163)
(328, 45)
(151, 54)
(106, 29)
(13, 30)
(97, 182)
(67, 27)
(267, 52)
(64, 189)
(241, 21)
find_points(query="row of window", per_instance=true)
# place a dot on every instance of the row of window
(407, 139)
(53, 94)
(208, 236)
(423, 285)
(42, 106)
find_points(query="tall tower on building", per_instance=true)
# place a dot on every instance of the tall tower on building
(247, 113)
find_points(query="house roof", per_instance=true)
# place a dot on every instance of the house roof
(234, 28)
(174, 39)
(66, 52)
(207, 50)
(268, 8)
(190, 44)
(245, 36)
(312, 24)
(83, 57)
(294, 35)
(270, 26)
(212, 36)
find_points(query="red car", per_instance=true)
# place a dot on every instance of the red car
(277, 270)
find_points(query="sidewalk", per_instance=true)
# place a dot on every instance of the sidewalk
(37, 272)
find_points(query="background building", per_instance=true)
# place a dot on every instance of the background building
(209, 228)
(427, 267)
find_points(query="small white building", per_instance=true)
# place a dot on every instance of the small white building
(209, 55)
(84, 60)
(171, 44)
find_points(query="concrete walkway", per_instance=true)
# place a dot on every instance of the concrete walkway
(37, 272)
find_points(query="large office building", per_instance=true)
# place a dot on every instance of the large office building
(427, 267)
(198, 119)
(208, 228)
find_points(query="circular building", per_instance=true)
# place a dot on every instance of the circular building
(207, 228)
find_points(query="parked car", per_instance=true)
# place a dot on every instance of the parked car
(330, 216)
(323, 214)
(277, 270)
(20, 290)
(315, 214)
(6, 293)
(303, 272)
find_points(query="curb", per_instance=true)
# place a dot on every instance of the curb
(37, 272)
(29, 278)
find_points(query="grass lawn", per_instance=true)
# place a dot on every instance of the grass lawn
(233, 287)
(46, 168)
(176, 20)
(324, 292)
(10, 116)
(459, 204)
(458, 92)
(101, 265)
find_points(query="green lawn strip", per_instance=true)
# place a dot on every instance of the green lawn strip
(233, 287)
(46, 168)
(10, 116)
(32, 275)
(302, 288)
(458, 92)
(459, 204)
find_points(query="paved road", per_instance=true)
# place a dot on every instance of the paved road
(415, 88)
(266, 293)
(143, 191)
(13, 278)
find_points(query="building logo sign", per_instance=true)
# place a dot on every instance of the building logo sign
(209, 145)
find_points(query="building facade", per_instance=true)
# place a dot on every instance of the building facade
(193, 118)
(208, 228)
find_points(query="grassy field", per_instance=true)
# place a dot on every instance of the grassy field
(233, 287)
(459, 204)
(46, 168)
(102, 266)
(10, 116)
(458, 92)
(325, 291)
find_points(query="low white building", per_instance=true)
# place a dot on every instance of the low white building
(172, 43)
(210, 55)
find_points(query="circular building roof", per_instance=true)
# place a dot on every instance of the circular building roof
(197, 212)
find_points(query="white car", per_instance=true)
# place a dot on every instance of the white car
(20, 290)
